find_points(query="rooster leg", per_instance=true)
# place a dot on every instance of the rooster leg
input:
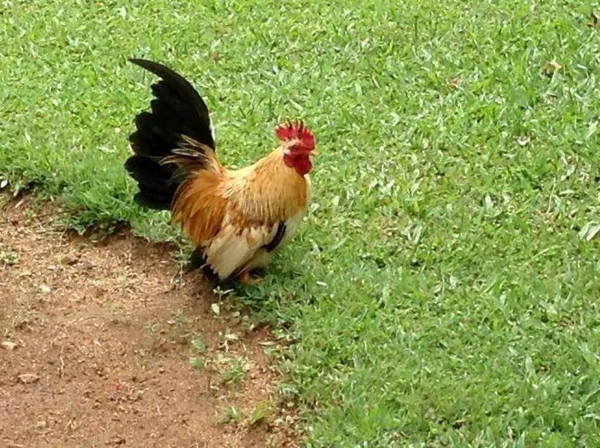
(246, 279)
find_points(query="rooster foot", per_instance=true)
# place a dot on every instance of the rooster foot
(247, 280)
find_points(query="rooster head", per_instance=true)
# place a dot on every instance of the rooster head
(298, 145)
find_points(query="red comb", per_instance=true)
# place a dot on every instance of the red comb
(291, 130)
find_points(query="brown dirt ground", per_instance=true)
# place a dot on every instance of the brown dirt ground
(103, 330)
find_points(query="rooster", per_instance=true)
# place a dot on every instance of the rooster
(236, 219)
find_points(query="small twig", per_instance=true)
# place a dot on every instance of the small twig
(62, 363)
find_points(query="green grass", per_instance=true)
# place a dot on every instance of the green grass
(439, 292)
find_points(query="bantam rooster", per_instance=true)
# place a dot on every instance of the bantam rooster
(235, 218)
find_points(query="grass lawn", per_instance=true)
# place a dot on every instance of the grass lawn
(443, 291)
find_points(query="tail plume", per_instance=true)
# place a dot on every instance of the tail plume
(177, 114)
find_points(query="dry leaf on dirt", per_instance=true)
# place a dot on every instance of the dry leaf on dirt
(28, 378)
(8, 345)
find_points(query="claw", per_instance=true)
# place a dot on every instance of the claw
(247, 280)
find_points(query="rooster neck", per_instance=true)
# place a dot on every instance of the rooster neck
(269, 189)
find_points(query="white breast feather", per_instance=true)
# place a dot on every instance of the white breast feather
(230, 251)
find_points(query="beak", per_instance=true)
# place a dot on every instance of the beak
(313, 153)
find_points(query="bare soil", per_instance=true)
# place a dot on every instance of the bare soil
(96, 348)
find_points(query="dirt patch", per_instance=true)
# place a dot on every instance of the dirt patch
(105, 343)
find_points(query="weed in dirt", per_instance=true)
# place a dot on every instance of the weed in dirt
(198, 344)
(179, 328)
(179, 319)
(181, 255)
(198, 348)
(152, 327)
(233, 370)
(8, 258)
(197, 363)
(231, 414)
(261, 411)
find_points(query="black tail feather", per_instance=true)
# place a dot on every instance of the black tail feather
(178, 107)
(176, 110)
